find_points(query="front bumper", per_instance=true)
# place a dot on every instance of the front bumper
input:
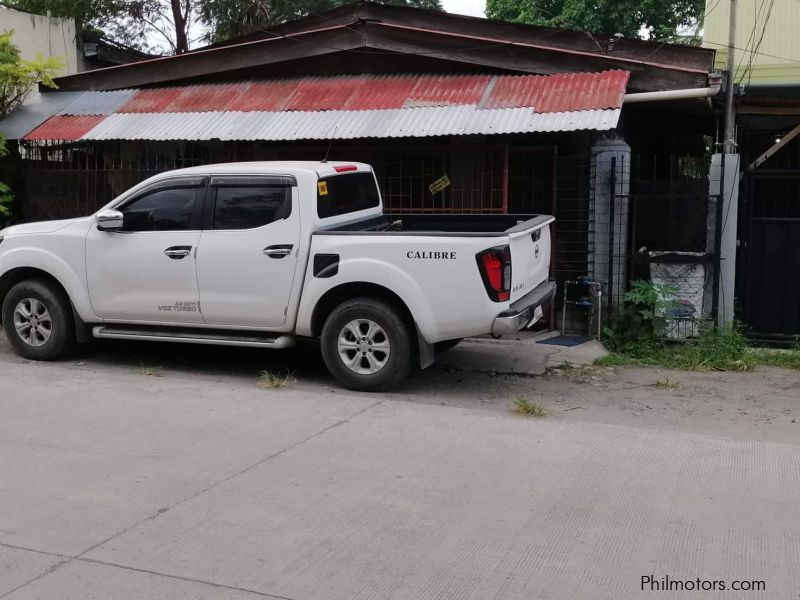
(521, 312)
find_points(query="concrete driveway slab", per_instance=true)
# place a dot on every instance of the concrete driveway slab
(198, 484)
(81, 463)
(414, 502)
(91, 581)
(18, 567)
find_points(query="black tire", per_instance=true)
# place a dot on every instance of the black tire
(442, 347)
(61, 339)
(396, 363)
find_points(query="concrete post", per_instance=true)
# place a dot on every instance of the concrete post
(729, 190)
(605, 153)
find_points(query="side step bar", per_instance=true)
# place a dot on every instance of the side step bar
(193, 337)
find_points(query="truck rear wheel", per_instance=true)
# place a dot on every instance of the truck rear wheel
(367, 345)
(37, 319)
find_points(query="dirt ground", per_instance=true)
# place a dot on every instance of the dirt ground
(763, 404)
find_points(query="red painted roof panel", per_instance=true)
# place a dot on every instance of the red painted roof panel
(553, 93)
(265, 96)
(559, 93)
(64, 127)
(564, 93)
(447, 90)
(383, 92)
(151, 100)
(210, 97)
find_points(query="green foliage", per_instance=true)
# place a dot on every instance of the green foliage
(642, 319)
(714, 349)
(529, 408)
(5, 192)
(17, 79)
(225, 19)
(164, 25)
(152, 26)
(18, 76)
(628, 17)
(85, 12)
(787, 359)
(275, 379)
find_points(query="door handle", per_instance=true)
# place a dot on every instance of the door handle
(278, 250)
(178, 252)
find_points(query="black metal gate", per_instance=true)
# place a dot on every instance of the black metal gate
(770, 267)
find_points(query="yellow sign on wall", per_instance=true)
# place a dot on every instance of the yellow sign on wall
(439, 184)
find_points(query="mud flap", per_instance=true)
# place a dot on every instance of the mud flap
(82, 332)
(426, 350)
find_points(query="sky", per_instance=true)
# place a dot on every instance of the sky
(474, 8)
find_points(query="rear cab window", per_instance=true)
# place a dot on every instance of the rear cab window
(345, 193)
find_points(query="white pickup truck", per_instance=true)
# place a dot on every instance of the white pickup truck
(259, 254)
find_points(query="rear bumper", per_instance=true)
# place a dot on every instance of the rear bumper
(521, 312)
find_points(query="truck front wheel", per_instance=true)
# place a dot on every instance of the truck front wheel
(38, 320)
(366, 345)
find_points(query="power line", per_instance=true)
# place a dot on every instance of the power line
(749, 71)
(794, 60)
(750, 39)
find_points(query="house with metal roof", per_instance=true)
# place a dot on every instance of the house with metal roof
(604, 132)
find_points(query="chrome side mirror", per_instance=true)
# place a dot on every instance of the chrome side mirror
(109, 220)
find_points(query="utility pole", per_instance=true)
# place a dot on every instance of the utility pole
(727, 198)
(729, 141)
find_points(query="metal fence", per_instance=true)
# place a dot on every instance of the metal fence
(659, 205)
(668, 218)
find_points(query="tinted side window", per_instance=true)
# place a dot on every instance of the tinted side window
(165, 209)
(343, 194)
(251, 206)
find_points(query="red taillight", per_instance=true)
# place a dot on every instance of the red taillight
(345, 168)
(495, 268)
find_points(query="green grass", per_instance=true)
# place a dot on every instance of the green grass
(616, 359)
(787, 359)
(712, 350)
(530, 409)
(279, 379)
(149, 371)
(666, 384)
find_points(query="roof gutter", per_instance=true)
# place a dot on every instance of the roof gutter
(672, 95)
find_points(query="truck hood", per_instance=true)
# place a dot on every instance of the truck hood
(38, 227)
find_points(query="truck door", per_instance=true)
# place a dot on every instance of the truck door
(248, 250)
(146, 271)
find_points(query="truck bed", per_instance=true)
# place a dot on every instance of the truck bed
(428, 224)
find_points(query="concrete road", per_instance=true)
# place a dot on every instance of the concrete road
(199, 484)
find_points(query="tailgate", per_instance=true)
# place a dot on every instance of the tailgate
(530, 254)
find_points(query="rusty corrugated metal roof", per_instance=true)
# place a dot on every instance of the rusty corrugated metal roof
(550, 93)
(65, 127)
(560, 93)
(365, 105)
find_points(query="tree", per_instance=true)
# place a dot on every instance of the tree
(5, 191)
(157, 26)
(17, 79)
(164, 26)
(225, 19)
(628, 17)
(18, 76)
